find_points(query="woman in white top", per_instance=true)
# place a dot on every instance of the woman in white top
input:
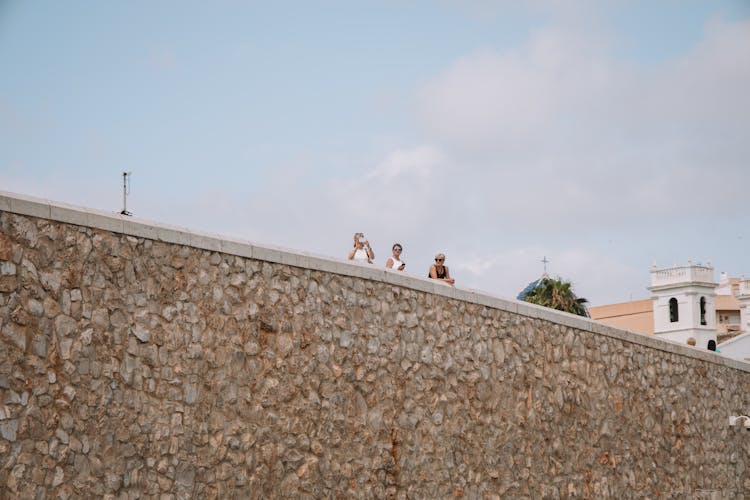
(395, 261)
(361, 251)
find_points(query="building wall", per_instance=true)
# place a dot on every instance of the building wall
(137, 359)
(637, 316)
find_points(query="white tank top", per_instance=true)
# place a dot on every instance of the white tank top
(361, 254)
(396, 263)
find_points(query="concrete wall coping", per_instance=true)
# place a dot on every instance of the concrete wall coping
(131, 226)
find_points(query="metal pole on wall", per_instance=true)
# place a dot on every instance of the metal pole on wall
(125, 179)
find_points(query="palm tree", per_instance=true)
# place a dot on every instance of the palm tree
(557, 294)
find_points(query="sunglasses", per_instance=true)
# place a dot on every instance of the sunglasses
(396, 249)
(439, 260)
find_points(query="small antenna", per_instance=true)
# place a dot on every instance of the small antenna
(125, 192)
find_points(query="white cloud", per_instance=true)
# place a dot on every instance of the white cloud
(563, 121)
(498, 100)
(398, 191)
(418, 162)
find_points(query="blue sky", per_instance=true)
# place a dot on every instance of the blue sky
(603, 135)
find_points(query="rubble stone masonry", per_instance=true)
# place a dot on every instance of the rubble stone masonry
(141, 361)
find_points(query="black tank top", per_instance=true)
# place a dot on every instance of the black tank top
(438, 274)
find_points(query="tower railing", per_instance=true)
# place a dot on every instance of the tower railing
(682, 274)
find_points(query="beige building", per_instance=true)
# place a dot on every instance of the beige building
(636, 315)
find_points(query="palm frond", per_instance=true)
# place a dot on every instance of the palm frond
(557, 294)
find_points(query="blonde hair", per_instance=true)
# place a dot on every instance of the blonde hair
(440, 256)
(356, 237)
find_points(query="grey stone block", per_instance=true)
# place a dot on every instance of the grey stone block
(26, 205)
(444, 289)
(618, 333)
(420, 283)
(303, 261)
(5, 201)
(8, 430)
(468, 295)
(496, 302)
(324, 264)
(205, 241)
(173, 234)
(289, 258)
(237, 247)
(530, 310)
(306, 259)
(359, 270)
(69, 214)
(265, 253)
(399, 278)
(737, 364)
(375, 274)
(140, 229)
(107, 221)
(547, 314)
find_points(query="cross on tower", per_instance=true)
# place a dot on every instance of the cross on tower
(545, 261)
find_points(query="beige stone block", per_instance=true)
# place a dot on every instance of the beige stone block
(140, 229)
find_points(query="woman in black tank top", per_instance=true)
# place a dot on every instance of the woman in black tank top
(440, 272)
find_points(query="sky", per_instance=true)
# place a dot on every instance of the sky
(604, 136)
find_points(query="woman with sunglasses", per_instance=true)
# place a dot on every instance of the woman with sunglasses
(440, 272)
(395, 262)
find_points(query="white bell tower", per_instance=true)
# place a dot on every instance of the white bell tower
(684, 303)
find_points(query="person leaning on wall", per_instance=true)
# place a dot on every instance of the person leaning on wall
(361, 251)
(439, 271)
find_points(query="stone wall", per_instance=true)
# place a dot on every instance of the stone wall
(138, 360)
